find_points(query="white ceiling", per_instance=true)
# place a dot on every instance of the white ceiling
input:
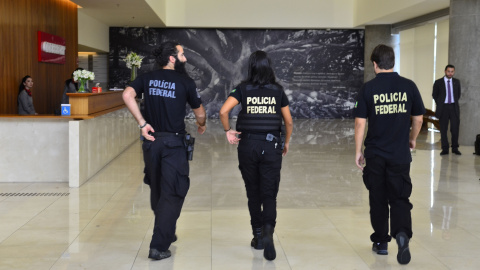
(131, 13)
(138, 13)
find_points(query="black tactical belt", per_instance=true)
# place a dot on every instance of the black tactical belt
(261, 137)
(166, 134)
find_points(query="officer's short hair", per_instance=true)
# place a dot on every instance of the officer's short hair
(449, 66)
(164, 51)
(384, 56)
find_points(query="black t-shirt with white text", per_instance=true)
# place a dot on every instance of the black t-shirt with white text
(166, 93)
(387, 102)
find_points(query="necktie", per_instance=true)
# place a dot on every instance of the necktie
(449, 92)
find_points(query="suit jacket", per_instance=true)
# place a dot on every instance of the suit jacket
(439, 94)
(25, 104)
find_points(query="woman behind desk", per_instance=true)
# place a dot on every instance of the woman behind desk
(71, 86)
(25, 101)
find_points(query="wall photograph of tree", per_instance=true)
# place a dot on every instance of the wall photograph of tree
(320, 70)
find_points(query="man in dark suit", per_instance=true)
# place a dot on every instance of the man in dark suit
(446, 93)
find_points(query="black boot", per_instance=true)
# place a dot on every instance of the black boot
(257, 241)
(269, 251)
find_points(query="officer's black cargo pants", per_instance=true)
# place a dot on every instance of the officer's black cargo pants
(388, 184)
(260, 163)
(166, 168)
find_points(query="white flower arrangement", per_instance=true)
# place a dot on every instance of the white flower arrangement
(133, 60)
(83, 75)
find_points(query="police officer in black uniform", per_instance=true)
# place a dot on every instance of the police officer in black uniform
(166, 92)
(261, 147)
(387, 102)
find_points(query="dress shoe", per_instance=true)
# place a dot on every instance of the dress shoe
(444, 152)
(456, 152)
(155, 254)
(403, 256)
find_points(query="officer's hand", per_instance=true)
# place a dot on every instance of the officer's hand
(360, 160)
(232, 136)
(412, 143)
(201, 129)
(145, 132)
(285, 149)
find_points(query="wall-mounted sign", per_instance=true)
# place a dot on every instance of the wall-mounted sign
(51, 48)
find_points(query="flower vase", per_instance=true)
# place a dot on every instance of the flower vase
(81, 88)
(134, 73)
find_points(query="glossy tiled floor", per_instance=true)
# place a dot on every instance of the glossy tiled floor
(323, 209)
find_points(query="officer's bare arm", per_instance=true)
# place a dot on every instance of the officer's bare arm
(229, 104)
(417, 122)
(360, 124)
(287, 119)
(231, 134)
(201, 118)
(129, 98)
(200, 115)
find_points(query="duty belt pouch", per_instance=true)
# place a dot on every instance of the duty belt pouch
(189, 145)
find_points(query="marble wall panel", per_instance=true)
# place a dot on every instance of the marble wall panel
(96, 142)
(33, 150)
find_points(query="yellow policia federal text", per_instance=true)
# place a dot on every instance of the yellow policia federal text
(388, 98)
(390, 109)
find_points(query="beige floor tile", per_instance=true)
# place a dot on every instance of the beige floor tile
(322, 218)
(173, 263)
(30, 263)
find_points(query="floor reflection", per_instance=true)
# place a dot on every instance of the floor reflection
(323, 220)
(444, 213)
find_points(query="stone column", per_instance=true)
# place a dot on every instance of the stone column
(374, 35)
(464, 54)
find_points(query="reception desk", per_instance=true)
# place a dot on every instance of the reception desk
(90, 103)
(47, 148)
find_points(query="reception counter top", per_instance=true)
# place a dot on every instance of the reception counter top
(90, 103)
(70, 117)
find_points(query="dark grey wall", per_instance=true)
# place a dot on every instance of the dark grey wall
(463, 53)
(320, 70)
(375, 35)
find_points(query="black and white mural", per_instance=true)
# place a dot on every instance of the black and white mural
(320, 70)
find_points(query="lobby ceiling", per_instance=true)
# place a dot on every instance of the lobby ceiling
(139, 13)
(128, 13)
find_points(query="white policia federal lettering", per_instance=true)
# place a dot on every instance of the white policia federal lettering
(390, 108)
(261, 101)
(166, 90)
(161, 92)
(162, 84)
